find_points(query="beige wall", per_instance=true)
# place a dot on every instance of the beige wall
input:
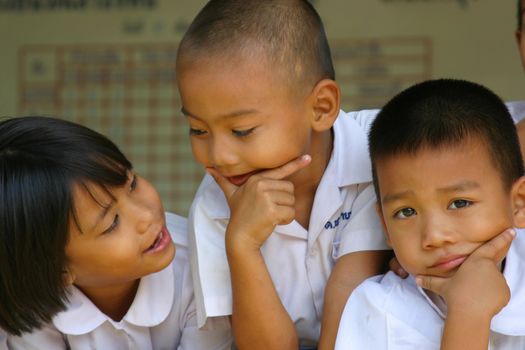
(379, 46)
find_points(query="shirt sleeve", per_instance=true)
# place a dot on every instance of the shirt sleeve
(364, 230)
(376, 316)
(208, 261)
(363, 323)
(215, 335)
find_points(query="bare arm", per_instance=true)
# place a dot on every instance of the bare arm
(465, 331)
(349, 271)
(259, 319)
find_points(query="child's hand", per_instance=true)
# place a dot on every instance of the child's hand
(478, 287)
(395, 266)
(264, 201)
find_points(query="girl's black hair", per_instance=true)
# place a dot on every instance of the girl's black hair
(41, 160)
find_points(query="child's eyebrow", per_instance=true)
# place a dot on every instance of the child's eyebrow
(396, 196)
(460, 187)
(228, 115)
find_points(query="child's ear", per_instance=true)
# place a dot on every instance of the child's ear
(68, 276)
(380, 214)
(518, 202)
(325, 104)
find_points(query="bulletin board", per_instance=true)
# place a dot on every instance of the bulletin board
(109, 64)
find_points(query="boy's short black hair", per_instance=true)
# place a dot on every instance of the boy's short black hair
(446, 112)
(41, 160)
(289, 32)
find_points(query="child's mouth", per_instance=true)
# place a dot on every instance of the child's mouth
(162, 241)
(239, 180)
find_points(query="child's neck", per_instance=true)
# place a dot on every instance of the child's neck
(308, 180)
(114, 301)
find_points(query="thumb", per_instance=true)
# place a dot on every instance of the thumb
(226, 186)
(432, 283)
(496, 249)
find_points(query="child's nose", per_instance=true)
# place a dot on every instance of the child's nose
(222, 153)
(436, 233)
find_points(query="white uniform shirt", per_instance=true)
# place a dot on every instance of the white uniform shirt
(367, 116)
(343, 220)
(517, 110)
(387, 312)
(162, 315)
(3, 340)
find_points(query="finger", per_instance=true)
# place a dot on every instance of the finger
(282, 198)
(432, 283)
(496, 249)
(395, 266)
(288, 168)
(226, 186)
(286, 215)
(264, 185)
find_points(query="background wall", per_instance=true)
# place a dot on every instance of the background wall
(109, 64)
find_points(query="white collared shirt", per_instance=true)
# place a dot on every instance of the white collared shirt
(517, 110)
(3, 340)
(367, 116)
(162, 315)
(343, 220)
(387, 312)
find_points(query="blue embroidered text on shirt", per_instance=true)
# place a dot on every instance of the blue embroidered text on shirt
(335, 223)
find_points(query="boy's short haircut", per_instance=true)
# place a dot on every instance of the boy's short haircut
(41, 160)
(290, 33)
(440, 113)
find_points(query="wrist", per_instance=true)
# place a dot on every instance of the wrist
(481, 315)
(237, 242)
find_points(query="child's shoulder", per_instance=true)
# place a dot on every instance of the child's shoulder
(363, 118)
(383, 288)
(3, 340)
(398, 298)
(516, 110)
(386, 311)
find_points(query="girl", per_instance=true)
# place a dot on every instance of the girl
(86, 251)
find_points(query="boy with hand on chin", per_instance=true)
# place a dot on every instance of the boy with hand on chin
(449, 178)
(288, 219)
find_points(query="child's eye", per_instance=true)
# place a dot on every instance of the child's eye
(113, 225)
(460, 203)
(133, 183)
(243, 133)
(196, 132)
(404, 213)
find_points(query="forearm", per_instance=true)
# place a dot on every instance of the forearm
(465, 331)
(349, 271)
(259, 319)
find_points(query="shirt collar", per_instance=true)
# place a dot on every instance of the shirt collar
(350, 153)
(151, 306)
